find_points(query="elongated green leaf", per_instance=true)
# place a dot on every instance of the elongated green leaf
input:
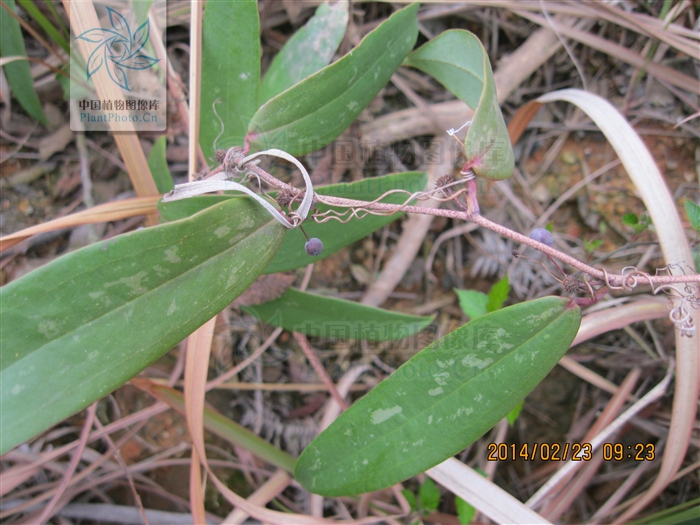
(459, 62)
(334, 234)
(311, 48)
(682, 514)
(45, 24)
(317, 110)
(327, 317)
(230, 72)
(181, 209)
(159, 166)
(77, 328)
(441, 400)
(222, 426)
(18, 73)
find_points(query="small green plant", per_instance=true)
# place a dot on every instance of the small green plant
(593, 245)
(634, 222)
(475, 304)
(427, 500)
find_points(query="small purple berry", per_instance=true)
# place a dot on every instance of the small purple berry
(313, 246)
(542, 235)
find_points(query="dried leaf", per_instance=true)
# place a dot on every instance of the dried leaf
(265, 288)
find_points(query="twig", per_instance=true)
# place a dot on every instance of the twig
(65, 482)
(319, 369)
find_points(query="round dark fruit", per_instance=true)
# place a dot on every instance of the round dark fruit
(542, 235)
(313, 246)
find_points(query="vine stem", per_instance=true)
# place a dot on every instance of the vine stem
(615, 280)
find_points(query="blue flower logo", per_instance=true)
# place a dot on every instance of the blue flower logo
(118, 48)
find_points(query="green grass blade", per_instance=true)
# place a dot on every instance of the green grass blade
(77, 328)
(441, 400)
(317, 110)
(223, 427)
(18, 73)
(328, 317)
(230, 72)
(159, 166)
(48, 27)
(311, 48)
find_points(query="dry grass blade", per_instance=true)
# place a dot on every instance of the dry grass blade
(565, 495)
(83, 17)
(279, 481)
(196, 368)
(48, 511)
(605, 434)
(660, 71)
(662, 30)
(110, 211)
(484, 495)
(646, 176)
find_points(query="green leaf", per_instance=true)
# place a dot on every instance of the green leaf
(498, 294)
(311, 48)
(441, 400)
(465, 512)
(183, 208)
(630, 219)
(411, 498)
(230, 72)
(336, 235)
(222, 426)
(47, 26)
(459, 62)
(317, 110)
(473, 303)
(592, 245)
(455, 59)
(639, 225)
(693, 211)
(159, 166)
(18, 73)
(118, 305)
(512, 416)
(328, 317)
(429, 496)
